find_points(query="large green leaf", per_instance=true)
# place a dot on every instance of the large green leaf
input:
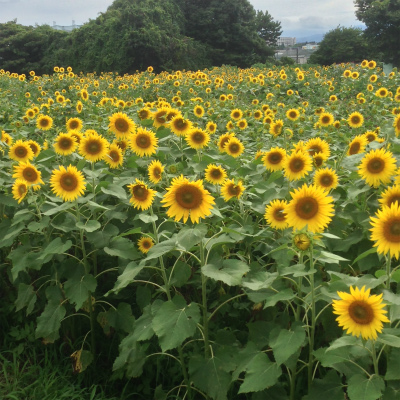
(362, 387)
(26, 298)
(230, 271)
(122, 247)
(116, 191)
(328, 388)
(89, 226)
(285, 343)
(391, 340)
(209, 376)
(56, 246)
(78, 287)
(131, 360)
(23, 258)
(9, 233)
(189, 237)
(259, 280)
(127, 277)
(261, 373)
(393, 365)
(175, 321)
(120, 319)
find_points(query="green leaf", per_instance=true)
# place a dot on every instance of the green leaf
(54, 210)
(344, 341)
(127, 277)
(230, 271)
(361, 387)
(55, 247)
(286, 294)
(393, 365)
(89, 226)
(285, 343)
(23, 258)
(122, 247)
(189, 237)
(131, 360)
(331, 257)
(120, 319)
(390, 340)
(328, 388)
(261, 373)
(77, 288)
(259, 280)
(175, 321)
(40, 225)
(210, 376)
(26, 298)
(221, 239)
(115, 190)
(9, 233)
(365, 254)
(160, 249)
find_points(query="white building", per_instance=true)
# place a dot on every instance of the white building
(286, 41)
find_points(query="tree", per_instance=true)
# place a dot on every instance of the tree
(341, 45)
(382, 19)
(267, 28)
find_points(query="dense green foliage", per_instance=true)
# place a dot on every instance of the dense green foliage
(382, 19)
(341, 45)
(131, 35)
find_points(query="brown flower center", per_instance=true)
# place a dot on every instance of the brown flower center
(114, 155)
(44, 122)
(140, 192)
(73, 124)
(234, 148)
(361, 312)
(65, 143)
(355, 148)
(326, 180)
(275, 157)
(143, 141)
(21, 151)
(198, 137)
(307, 208)
(93, 147)
(189, 197)
(355, 119)
(121, 125)
(279, 215)
(296, 165)
(234, 190)
(30, 174)
(216, 173)
(22, 189)
(375, 165)
(68, 182)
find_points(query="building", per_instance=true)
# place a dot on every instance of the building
(310, 46)
(286, 41)
(67, 28)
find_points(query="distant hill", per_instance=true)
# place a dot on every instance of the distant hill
(312, 38)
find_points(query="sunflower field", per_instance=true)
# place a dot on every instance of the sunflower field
(221, 234)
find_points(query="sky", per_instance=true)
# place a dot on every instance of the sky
(299, 18)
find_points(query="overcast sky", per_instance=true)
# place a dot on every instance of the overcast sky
(299, 18)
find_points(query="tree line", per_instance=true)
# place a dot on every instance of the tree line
(134, 34)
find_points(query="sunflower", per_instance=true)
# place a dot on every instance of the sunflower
(74, 124)
(326, 178)
(84, 94)
(231, 189)
(44, 122)
(241, 124)
(302, 241)
(142, 197)
(144, 142)
(310, 206)
(211, 127)
(275, 214)
(6, 138)
(121, 125)
(187, 198)
(196, 138)
(385, 230)
(377, 166)
(292, 114)
(114, 157)
(93, 146)
(65, 144)
(215, 174)
(79, 106)
(19, 189)
(390, 196)
(317, 145)
(28, 172)
(234, 147)
(297, 165)
(275, 128)
(145, 244)
(274, 159)
(360, 313)
(198, 111)
(355, 120)
(396, 125)
(180, 126)
(160, 117)
(30, 113)
(145, 113)
(382, 92)
(67, 183)
(35, 146)
(319, 159)
(21, 151)
(155, 170)
(357, 145)
(223, 140)
(326, 119)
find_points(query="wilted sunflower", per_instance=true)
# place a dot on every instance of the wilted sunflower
(355, 120)
(143, 142)
(19, 189)
(28, 172)
(385, 230)
(187, 198)
(317, 145)
(274, 159)
(215, 174)
(114, 157)
(326, 178)
(357, 145)
(93, 146)
(180, 126)
(310, 207)
(326, 119)
(360, 313)
(234, 147)
(44, 122)
(231, 189)
(121, 125)
(292, 114)
(20, 151)
(145, 244)
(196, 138)
(155, 170)
(141, 196)
(65, 144)
(275, 214)
(378, 166)
(297, 165)
(390, 196)
(67, 183)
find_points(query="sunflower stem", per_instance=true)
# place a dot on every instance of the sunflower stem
(388, 271)
(374, 359)
(204, 302)
(312, 331)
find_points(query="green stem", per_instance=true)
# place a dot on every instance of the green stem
(204, 302)
(312, 331)
(374, 359)
(388, 271)
(299, 290)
